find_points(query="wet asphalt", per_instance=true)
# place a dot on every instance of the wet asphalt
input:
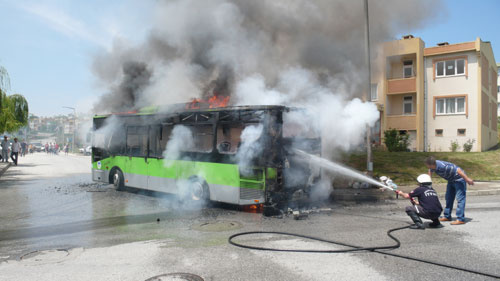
(49, 203)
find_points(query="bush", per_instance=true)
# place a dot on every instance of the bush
(468, 145)
(454, 146)
(394, 141)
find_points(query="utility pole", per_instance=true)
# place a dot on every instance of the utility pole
(369, 162)
(74, 127)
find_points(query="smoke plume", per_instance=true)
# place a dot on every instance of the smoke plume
(181, 140)
(250, 147)
(288, 52)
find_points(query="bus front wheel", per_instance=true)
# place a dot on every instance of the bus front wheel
(197, 190)
(118, 180)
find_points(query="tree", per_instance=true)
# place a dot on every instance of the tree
(13, 109)
(394, 141)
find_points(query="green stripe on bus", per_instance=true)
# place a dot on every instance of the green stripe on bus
(213, 173)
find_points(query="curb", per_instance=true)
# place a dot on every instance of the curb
(4, 169)
(367, 195)
(476, 193)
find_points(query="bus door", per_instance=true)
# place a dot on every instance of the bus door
(136, 164)
(161, 176)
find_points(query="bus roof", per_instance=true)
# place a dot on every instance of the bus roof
(179, 108)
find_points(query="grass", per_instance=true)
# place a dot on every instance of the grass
(404, 167)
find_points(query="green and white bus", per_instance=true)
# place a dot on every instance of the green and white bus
(128, 150)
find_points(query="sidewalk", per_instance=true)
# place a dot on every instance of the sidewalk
(479, 188)
(3, 167)
(375, 194)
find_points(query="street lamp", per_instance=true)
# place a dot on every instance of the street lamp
(74, 126)
(369, 161)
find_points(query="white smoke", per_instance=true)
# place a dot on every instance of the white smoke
(341, 121)
(250, 147)
(180, 140)
(171, 82)
(108, 135)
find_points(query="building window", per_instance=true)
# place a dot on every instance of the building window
(450, 106)
(439, 132)
(498, 89)
(450, 68)
(408, 105)
(461, 132)
(407, 68)
(374, 92)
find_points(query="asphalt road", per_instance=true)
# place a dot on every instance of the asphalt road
(55, 224)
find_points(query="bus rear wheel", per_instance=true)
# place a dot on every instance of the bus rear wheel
(118, 180)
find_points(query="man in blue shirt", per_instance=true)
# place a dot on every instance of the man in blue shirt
(457, 187)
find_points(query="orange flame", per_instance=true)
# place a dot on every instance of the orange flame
(256, 208)
(218, 101)
(212, 102)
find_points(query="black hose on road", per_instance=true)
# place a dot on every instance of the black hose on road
(354, 248)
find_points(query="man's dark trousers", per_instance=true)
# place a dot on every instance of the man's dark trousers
(16, 154)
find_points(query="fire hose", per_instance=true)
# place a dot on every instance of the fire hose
(353, 248)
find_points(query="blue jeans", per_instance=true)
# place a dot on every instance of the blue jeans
(455, 189)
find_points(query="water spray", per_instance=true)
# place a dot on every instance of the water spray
(341, 169)
(385, 182)
(390, 185)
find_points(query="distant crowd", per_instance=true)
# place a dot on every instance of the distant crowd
(53, 148)
(16, 149)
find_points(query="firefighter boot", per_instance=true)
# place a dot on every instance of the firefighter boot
(416, 219)
(435, 223)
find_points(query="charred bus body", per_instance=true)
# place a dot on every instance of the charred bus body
(134, 149)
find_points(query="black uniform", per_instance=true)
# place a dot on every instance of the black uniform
(429, 206)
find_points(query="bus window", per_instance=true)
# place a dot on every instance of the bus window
(228, 138)
(203, 138)
(166, 131)
(154, 142)
(137, 141)
(116, 144)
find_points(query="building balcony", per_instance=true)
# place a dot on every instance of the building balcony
(401, 122)
(402, 85)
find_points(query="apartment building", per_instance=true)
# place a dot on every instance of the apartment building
(438, 95)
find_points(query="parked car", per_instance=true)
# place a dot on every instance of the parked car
(37, 146)
(86, 150)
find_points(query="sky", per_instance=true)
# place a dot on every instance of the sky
(47, 46)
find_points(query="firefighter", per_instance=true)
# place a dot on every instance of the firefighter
(428, 205)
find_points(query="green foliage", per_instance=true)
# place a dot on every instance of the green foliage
(403, 167)
(454, 146)
(13, 109)
(394, 141)
(468, 145)
(20, 108)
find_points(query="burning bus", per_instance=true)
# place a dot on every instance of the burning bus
(208, 153)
